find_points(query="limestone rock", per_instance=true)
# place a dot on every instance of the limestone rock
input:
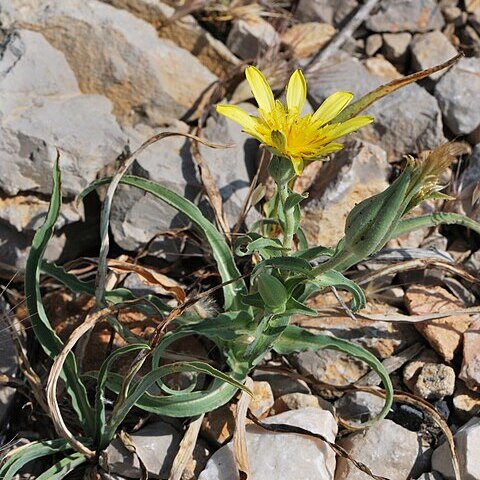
(281, 384)
(430, 49)
(435, 381)
(395, 46)
(430, 476)
(444, 334)
(359, 171)
(35, 121)
(359, 407)
(383, 339)
(381, 67)
(406, 15)
(297, 401)
(136, 216)
(412, 369)
(470, 372)
(218, 425)
(305, 39)
(262, 399)
(467, 443)
(395, 459)
(465, 402)
(373, 44)
(397, 129)
(156, 444)
(333, 12)
(457, 95)
(185, 32)
(295, 456)
(231, 168)
(249, 37)
(118, 55)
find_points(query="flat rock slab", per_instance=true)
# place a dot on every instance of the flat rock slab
(282, 455)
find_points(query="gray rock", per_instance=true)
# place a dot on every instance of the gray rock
(386, 448)
(251, 36)
(398, 129)
(30, 67)
(297, 401)
(333, 12)
(231, 168)
(435, 381)
(281, 384)
(329, 366)
(41, 110)
(457, 95)
(395, 46)
(156, 445)
(430, 49)
(81, 127)
(373, 44)
(136, 217)
(471, 174)
(270, 454)
(185, 32)
(359, 407)
(118, 55)
(406, 16)
(467, 443)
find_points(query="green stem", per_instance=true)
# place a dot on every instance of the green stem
(289, 229)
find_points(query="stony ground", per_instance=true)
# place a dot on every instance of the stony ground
(97, 78)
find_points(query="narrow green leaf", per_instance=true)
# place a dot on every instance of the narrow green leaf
(151, 378)
(31, 452)
(100, 416)
(407, 225)
(46, 336)
(296, 339)
(62, 468)
(332, 278)
(221, 252)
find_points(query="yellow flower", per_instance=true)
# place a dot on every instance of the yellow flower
(282, 128)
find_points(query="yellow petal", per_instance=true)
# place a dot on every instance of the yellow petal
(349, 126)
(297, 164)
(260, 89)
(331, 107)
(327, 149)
(296, 92)
(237, 114)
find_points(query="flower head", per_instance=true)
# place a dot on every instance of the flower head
(282, 128)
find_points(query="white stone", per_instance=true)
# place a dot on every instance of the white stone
(386, 448)
(467, 443)
(249, 37)
(286, 456)
(118, 55)
(457, 95)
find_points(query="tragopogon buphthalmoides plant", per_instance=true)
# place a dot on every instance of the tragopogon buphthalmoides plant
(256, 310)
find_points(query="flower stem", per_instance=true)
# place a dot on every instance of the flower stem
(289, 229)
